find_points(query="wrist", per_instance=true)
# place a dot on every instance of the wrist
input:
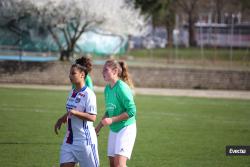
(113, 119)
(73, 112)
(107, 121)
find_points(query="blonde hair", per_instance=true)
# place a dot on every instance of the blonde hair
(123, 73)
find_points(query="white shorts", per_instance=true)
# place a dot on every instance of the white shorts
(122, 142)
(85, 157)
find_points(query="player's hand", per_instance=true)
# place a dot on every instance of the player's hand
(107, 121)
(72, 112)
(97, 130)
(58, 126)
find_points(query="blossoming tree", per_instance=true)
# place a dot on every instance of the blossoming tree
(67, 20)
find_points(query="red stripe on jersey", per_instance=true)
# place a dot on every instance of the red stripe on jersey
(74, 94)
(70, 133)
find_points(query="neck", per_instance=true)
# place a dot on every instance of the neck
(79, 86)
(113, 82)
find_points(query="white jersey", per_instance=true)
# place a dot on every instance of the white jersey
(78, 130)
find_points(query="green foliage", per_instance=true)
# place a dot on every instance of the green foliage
(172, 131)
(148, 6)
(245, 4)
(162, 12)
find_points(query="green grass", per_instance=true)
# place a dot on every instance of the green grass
(194, 53)
(172, 131)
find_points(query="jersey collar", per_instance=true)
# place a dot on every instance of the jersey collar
(83, 89)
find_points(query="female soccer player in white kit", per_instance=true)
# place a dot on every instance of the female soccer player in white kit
(80, 142)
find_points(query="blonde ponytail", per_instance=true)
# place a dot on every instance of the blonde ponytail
(123, 73)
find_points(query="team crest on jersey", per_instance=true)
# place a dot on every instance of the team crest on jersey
(77, 100)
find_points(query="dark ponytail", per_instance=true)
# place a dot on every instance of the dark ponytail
(86, 62)
(83, 64)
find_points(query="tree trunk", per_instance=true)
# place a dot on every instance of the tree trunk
(169, 36)
(219, 9)
(191, 30)
(69, 52)
(66, 54)
(170, 24)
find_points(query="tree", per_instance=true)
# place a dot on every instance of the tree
(162, 13)
(219, 7)
(245, 9)
(189, 7)
(245, 4)
(67, 20)
(168, 15)
(14, 18)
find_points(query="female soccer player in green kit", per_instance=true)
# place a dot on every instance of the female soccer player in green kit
(120, 112)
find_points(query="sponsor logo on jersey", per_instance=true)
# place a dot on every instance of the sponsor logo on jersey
(81, 94)
(71, 100)
(110, 108)
(69, 107)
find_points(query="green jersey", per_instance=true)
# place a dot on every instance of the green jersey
(88, 83)
(119, 99)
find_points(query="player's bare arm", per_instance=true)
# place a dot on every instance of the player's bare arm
(59, 122)
(109, 121)
(99, 126)
(83, 115)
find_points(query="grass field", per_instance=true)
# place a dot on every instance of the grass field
(214, 57)
(194, 53)
(172, 131)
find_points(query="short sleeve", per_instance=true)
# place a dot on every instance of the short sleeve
(90, 105)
